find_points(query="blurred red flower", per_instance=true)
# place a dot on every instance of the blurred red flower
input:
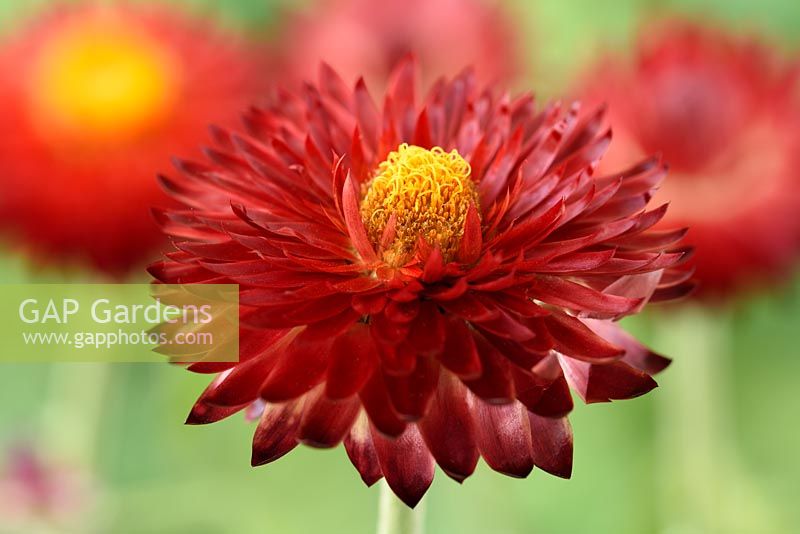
(725, 115)
(422, 281)
(95, 99)
(34, 493)
(367, 38)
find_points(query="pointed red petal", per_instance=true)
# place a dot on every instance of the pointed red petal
(326, 422)
(352, 360)
(552, 444)
(449, 431)
(276, 432)
(355, 226)
(406, 463)
(504, 437)
(361, 451)
(472, 240)
(460, 355)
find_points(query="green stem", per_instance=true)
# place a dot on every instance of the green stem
(73, 410)
(703, 482)
(394, 517)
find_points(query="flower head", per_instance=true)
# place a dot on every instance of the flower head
(421, 281)
(724, 113)
(366, 38)
(96, 98)
(34, 492)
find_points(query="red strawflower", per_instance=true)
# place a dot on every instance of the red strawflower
(725, 115)
(35, 492)
(423, 304)
(367, 38)
(95, 100)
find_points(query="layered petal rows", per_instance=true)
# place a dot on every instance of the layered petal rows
(437, 360)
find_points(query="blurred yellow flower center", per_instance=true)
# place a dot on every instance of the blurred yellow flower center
(100, 81)
(428, 191)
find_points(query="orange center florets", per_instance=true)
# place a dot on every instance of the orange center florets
(429, 192)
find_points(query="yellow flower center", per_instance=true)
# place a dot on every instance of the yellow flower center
(101, 81)
(428, 192)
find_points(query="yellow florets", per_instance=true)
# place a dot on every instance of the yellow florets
(429, 191)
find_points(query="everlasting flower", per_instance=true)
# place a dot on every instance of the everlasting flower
(95, 99)
(421, 281)
(724, 113)
(34, 493)
(366, 38)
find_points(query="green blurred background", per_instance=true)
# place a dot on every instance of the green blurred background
(124, 423)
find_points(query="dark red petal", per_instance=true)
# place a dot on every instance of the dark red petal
(552, 444)
(460, 355)
(361, 451)
(494, 384)
(427, 335)
(472, 241)
(575, 339)
(203, 413)
(379, 408)
(241, 384)
(386, 331)
(434, 266)
(556, 400)
(276, 433)
(449, 431)
(560, 292)
(326, 422)
(504, 437)
(406, 463)
(355, 226)
(606, 382)
(411, 395)
(636, 354)
(300, 367)
(353, 358)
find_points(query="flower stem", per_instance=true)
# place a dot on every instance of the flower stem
(73, 410)
(394, 517)
(704, 484)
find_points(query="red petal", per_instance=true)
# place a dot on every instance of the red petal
(378, 406)
(472, 240)
(504, 437)
(575, 339)
(241, 384)
(326, 422)
(352, 360)
(494, 384)
(449, 431)
(460, 355)
(411, 395)
(560, 292)
(606, 382)
(636, 354)
(406, 463)
(552, 444)
(203, 413)
(556, 400)
(300, 367)
(276, 432)
(427, 333)
(434, 267)
(355, 226)
(361, 451)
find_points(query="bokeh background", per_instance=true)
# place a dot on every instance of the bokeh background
(718, 454)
